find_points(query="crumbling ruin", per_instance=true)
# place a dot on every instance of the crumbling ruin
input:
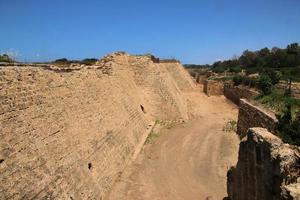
(267, 169)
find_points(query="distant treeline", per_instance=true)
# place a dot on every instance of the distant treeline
(6, 58)
(263, 58)
(194, 66)
(286, 60)
(64, 61)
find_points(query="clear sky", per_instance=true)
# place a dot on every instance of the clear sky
(194, 31)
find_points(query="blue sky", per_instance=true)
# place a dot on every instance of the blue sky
(193, 31)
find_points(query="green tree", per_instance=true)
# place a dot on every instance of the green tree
(249, 59)
(274, 75)
(265, 84)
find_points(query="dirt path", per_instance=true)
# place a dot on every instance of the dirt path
(188, 161)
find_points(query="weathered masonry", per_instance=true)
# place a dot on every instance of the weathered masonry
(267, 169)
(253, 116)
(213, 88)
(235, 93)
(69, 133)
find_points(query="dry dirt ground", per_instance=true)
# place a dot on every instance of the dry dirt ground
(188, 161)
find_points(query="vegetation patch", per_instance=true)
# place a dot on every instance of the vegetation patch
(159, 125)
(168, 124)
(287, 111)
(286, 60)
(151, 137)
(230, 126)
(277, 101)
(289, 125)
(66, 62)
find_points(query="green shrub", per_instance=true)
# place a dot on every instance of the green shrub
(236, 69)
(274, 75)
(289, 127)
(277, 101)
(295, 130)
(265, 84)
(230, 126)
(218, 69)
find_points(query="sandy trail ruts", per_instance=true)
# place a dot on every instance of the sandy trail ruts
(188, 161)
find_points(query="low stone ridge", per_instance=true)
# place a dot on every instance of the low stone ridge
(213, 88)
(68, 133)
(267, 169)
(235, 93)
(252, 116)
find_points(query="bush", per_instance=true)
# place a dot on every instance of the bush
(236, 69)
(274, 75)
(295, 130)
(230, 126)
(289, 127)
(218, 69)
(265, 84)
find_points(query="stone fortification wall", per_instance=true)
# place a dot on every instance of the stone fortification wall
(252, 116)
(69, 133)
(213, 88)
(235, 93)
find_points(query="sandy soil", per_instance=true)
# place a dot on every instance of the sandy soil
(188, 161)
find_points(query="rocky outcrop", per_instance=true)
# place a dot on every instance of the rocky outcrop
(267, 169)
(68, 133)
(253, 116)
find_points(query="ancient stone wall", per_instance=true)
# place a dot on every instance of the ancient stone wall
(69, 133)
(267, 169)
(235, 93)
(252, 116)
(213, 88)
(201, 78)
